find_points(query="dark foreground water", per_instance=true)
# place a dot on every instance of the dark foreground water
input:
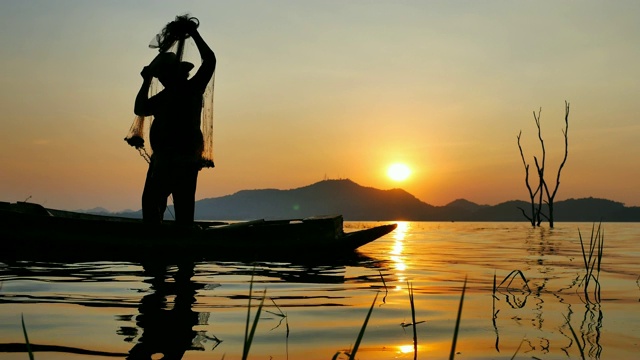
(104, 310)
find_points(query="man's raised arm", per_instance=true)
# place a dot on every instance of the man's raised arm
(208, 66)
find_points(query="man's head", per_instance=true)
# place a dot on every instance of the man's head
(169, 70)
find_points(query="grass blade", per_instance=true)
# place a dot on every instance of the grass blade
(26, 338)
(245, 350)
(517, 349)
(249, 340)
(584, 253)
(352, 356)
(575, 337)
(248, 335)
(386, 291)
(413, 321)
(457, 328)
(495, 313)
(600, 251)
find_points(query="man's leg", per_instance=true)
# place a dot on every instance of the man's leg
(154, 196)
(184, 194)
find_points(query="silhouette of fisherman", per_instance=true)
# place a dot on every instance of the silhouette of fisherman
(175, 135)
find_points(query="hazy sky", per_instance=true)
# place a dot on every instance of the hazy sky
(308, 90)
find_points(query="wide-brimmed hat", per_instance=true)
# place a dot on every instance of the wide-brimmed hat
(166, 61)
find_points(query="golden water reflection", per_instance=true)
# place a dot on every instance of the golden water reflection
(397, 250)
(407, 349)
(326, 304)
(401, 231)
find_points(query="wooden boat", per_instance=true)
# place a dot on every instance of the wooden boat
(31, 231)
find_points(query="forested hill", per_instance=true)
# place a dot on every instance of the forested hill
(327, 197)
(356, 202)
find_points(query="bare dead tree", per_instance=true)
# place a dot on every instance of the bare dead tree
(536, 211)
(551, 195)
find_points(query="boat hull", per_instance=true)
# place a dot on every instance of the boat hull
(31, 231)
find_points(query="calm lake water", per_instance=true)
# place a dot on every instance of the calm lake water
(106, 310)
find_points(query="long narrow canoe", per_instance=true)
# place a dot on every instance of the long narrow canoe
(30, 231)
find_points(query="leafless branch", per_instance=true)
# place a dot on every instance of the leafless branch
(532, 194)
(565, 132)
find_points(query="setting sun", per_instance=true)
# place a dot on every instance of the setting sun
(398, 172)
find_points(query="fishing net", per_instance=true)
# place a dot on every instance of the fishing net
(174, 38)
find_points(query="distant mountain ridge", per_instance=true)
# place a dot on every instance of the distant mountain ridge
(360, 203)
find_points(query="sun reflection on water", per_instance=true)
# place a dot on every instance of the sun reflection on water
(401, 231)
(397, 250)
(408, 349)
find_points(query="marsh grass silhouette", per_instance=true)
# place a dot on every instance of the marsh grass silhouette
(592, 257)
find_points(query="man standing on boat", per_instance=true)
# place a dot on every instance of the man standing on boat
(175, 135)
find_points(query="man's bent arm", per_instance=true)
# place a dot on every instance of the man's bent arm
(141, 107)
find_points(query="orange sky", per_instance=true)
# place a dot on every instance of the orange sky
(308, 90)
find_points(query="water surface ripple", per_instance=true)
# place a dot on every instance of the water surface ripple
(540, 309)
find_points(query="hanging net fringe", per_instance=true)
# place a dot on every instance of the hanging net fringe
(173, 38)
